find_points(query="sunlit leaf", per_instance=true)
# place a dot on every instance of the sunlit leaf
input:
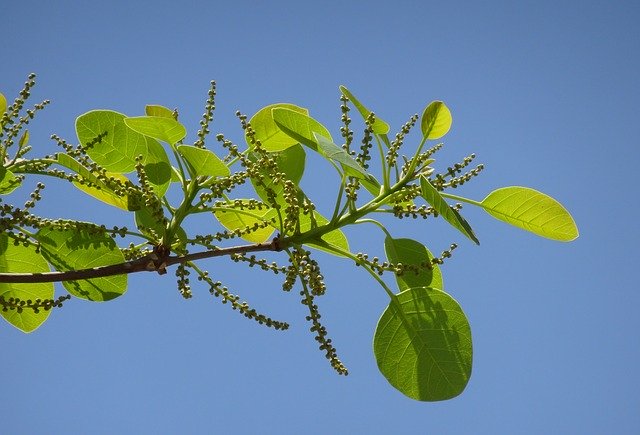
(148, 224)
(3, 104)
(8, 181)
(203, 161)
(97, 188)
(532, 211)
(158, 168)
(156, 110)
(411, 252)
(77, 249)
(273, 139)
(290, 162)
(234, 217)
(24, 139)
(299, 126)
(335, 238)
(436, 120)
(433, 197)
(332, 151)
(158, 127)
(118, 149)
(423, 345)
(379, 126)
(21, 259)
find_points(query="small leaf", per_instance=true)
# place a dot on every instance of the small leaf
(299, 126)
(24, 139)
(203, 161)
(8, 181)
(21, 259)
(532, 211)
(156, 110)
(77, 249)
(423, 345)
(267, 132)
(411, 252)
(433, 197)
(379, 126)
(117, 151)
(235, 217)
(332, 151)
(436, 120)
(158, 127)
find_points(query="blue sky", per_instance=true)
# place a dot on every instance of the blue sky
(545, 93)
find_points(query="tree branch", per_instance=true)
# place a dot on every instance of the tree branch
(149, 263)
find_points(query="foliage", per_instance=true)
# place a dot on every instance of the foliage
(141, 164)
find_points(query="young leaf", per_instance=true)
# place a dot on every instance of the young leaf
(8, 181)
(150, 225)
(433, 197)
(118, 149)
(532, 211)
(234, 217)
(156, 110)
(98, 189)
(21, 259)
(411, 252)
(331, 151)
(76, 249)
(299, 126)
(158, 127)
(203, 161)
(267, 132)
(423, 345)
(436, 120)
(379, 126)
(24, 139)
(3, 104)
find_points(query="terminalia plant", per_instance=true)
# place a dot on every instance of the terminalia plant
(140, 164)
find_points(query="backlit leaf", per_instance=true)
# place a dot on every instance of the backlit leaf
(532, 211)
(158, 127)
(77, 249)
(8, 181)
(436, 120)
(433, 197)
(203, 161)
(335, 238)
(290, 162)
(234, 217)
(299, 126)
(332, 151)
(3, 104)
(273, 139)
(422, 345)
(24, 139)
(21, 259)
(379, 126)
(411, 252)
(156, 110)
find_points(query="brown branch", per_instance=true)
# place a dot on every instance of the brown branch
(149, 263)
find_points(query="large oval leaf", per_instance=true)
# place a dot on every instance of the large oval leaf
(423, 345)
(21, 259)
(233, 218)
(411, 252)
(436, 120)
(203, 161)
(77, 249)
(158, 127)
(299, 126)
(433, 197)
(532, 211)
(267, 132)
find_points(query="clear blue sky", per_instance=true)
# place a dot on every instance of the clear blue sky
(545, 93)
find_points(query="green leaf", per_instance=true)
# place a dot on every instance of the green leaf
(267, 132)
(379, 126)
(158, 168)
(8, 181)
(117, 151)
(98, 189)
(203, 161)
(299, 126)
(532, 211)
(156, 110)
(331, 151)
(149, 225)
(3, 104)
(158, 127)
(411, 252)
(436, 120)
(433, 197)
(290, 162)
(24, 139)
(235, 217)
(335, 238)
(77, 249)
(423, 345)
(21, 259)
